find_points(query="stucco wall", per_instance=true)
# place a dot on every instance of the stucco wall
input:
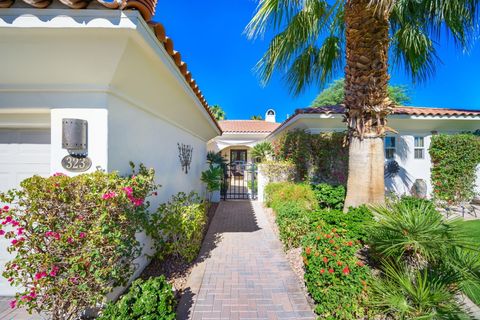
(144, 138)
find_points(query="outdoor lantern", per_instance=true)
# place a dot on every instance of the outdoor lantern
(75, 137)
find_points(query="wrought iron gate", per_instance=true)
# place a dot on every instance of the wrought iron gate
(239, 181)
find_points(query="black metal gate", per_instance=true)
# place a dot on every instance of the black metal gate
(239, 181)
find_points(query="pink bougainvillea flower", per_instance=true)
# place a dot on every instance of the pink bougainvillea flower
(40, 275)
(26, 298)
(20, 231)
(6, 208)
(59, 174)
(33, 294)
(15, 223)
(128, 191)
(14, 242)
(109, 195)
(2, 232)
(13, 304)
(54, 271)
(74, 280)
(82, 235)
(8, 220)
(10, 279)
(52, 234)
(137, 202)
(70, 240)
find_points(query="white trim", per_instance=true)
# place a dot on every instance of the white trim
(22, 123)
(101, 18)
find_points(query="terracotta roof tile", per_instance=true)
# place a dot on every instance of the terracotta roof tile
(401, 110)
(147, 10)
(248, 126)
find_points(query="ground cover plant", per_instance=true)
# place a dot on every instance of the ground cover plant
(152, 299)
(335, 277)
(73, 238)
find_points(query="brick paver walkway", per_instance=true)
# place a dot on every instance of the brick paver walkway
(243, 272)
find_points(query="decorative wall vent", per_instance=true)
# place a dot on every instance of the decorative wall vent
(185, 155)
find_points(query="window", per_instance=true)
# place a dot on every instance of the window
(389, 147)
(419, 150)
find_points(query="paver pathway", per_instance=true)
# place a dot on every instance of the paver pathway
(242, 271)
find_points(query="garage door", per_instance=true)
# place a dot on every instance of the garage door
(23, 153)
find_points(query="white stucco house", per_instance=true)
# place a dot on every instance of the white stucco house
(106, 77)
(408, 148)
(240, 136)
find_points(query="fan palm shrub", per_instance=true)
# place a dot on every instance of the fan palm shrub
(416, 233)
(262, 151)
(316, 39)
(423, 294)
(425, 260)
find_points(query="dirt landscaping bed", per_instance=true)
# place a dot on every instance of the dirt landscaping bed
(175, 270)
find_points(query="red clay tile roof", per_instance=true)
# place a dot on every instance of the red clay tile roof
(147, 10)
(401, 110)
(248, 126)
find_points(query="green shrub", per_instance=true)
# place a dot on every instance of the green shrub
(414, 232)
(146, 300)
(293, 223)
(302, 194)
(177, 226)
(335, 278)
(354, 221)
(73, 238)
(417, 202)
(454, 163)
(329, 196)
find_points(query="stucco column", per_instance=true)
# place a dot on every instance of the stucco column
(262, 182)
(97, 137)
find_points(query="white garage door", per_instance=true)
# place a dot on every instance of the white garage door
(23, 153)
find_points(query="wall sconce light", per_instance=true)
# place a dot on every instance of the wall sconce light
(75, 137)
(185, 156)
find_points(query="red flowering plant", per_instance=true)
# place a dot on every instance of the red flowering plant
(73, 238)
(335, 277)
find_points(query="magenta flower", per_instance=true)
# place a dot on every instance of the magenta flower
(70, 240)
(74, 280)
(6, 208)
(128, 191)
(40, 275)
(52, 234)
(109, 195)
(33, 294)
(137, 202)
(14, 242)
(82, 235)
(10, 279)
(2, 232)
(8, 220)
(54, 271)
(15, 223)
(58, 174)
(13, 304)
(20, 231)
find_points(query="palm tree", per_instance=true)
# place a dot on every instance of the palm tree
(262, 151)
(258, 117)
(316, 38)
(218, 112)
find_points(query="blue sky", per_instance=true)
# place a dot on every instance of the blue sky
(209, 35)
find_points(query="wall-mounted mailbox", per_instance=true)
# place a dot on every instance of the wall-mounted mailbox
(75, 137)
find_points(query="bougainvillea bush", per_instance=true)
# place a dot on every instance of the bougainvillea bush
(335, 277)
(177, 226)
(73, 238)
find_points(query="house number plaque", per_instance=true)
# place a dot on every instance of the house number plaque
(75, 164)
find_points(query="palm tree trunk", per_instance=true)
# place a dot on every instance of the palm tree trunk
(366, 100)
